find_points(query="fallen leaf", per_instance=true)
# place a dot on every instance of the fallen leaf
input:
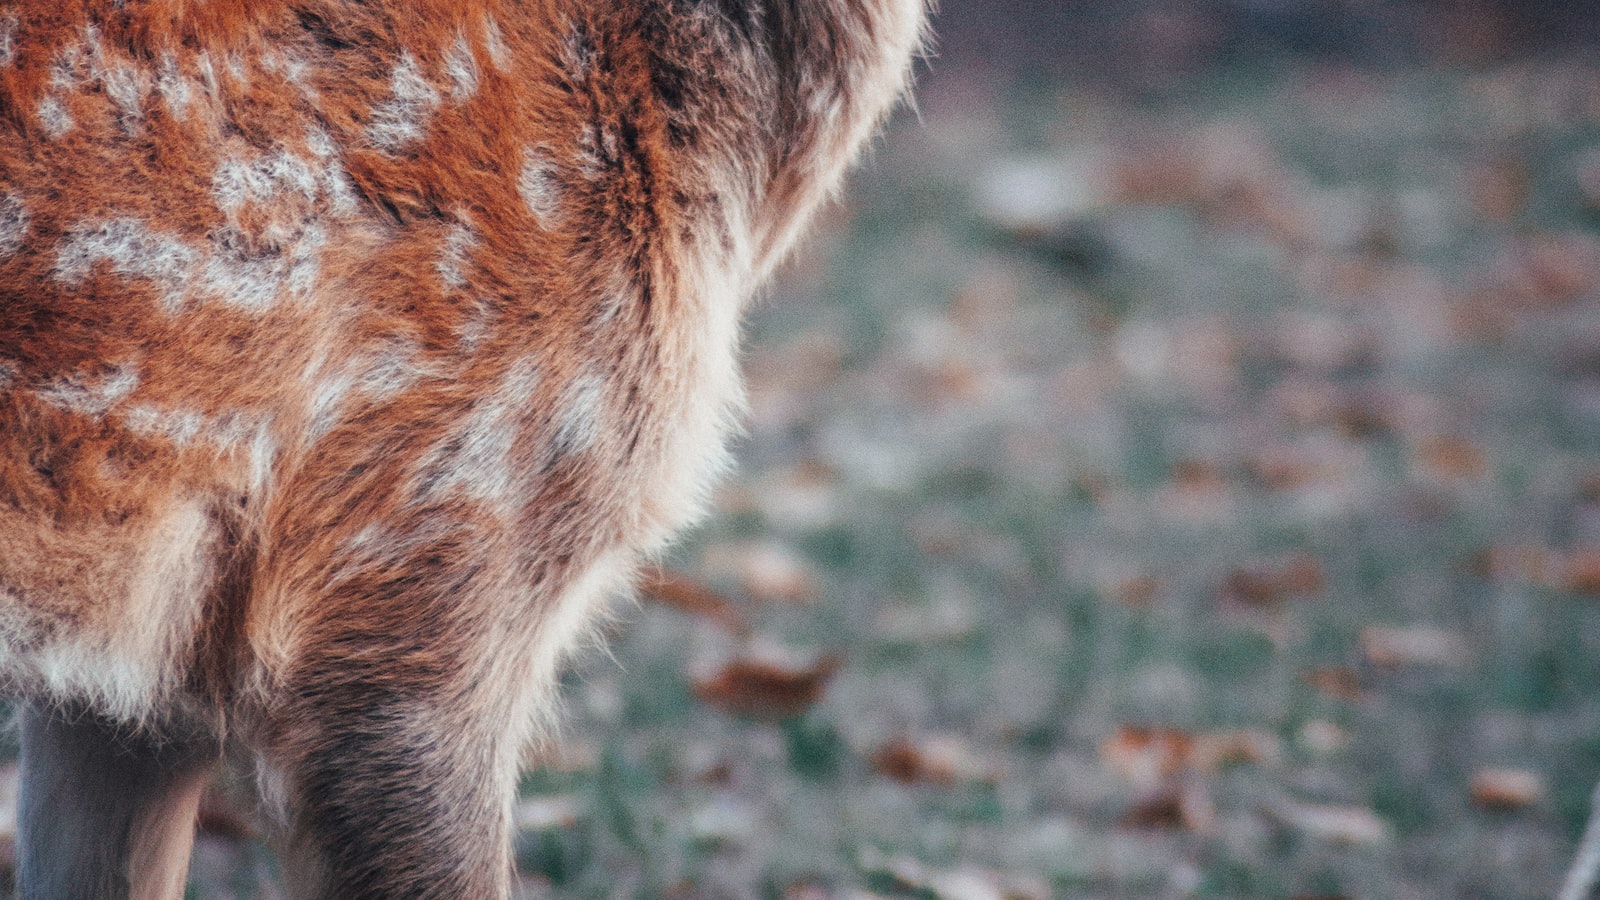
(763, 689)
(1147, 756)
(1506, 789)
(1582, 573)
(689, 595)
(1265, 585)
(1198, 476)
(1498, 190)
(940, 760)
(1186, 806)
(1137, 591)
(1340, 682)
(1449, 457)
(1163, 809)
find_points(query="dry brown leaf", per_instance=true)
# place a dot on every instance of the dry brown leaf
(1266, 585)
(763, 689)
(1506, 789)
(1163, 809)
(1582, 573)
(1137, 591)
(1449, 457)
(1536, 564)
(1198, 476)
(1499, 190)
(690, 595)
(1147, 756)
(1187, 807)
(806, 890)
(1335, 681)
(905, 762)
(942, 760)
(1554, 270)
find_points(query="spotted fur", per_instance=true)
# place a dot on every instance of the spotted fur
(351, 355)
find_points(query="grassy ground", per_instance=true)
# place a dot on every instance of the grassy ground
(1195, 489)
(1188, 495)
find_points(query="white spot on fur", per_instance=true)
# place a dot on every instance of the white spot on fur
(239, 181)
(580, 413)
(538, 187)
(293, 69)
(335, 183)
(127, 88)
(250, 438)
(8, 373)
(494, 40)
(577, 54)
(208, 73)
(455, 257)
(78, 63)
(13, 223)
(178, 426)
(262, 453)
(258, 283)
(478, 460)
(90, 396)
(53, 117)
(403, 118)
(462, 68)
(173, 87)
(134, 250)
(375, 378)
(277, 178)
(8, 41)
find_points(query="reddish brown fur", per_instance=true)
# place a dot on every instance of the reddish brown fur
(352, 353)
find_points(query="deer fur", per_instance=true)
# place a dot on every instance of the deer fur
(351, 355)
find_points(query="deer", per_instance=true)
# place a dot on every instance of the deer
(353, 355)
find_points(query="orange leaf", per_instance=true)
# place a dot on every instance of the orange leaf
(689, 595)
(903, 761)
(767, 690)
(1582, 575)
(1506, 789)
(1335, 681)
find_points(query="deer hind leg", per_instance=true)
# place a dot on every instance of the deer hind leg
(395, 777)
(106, 810)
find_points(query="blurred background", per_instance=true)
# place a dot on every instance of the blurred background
(1173, 471)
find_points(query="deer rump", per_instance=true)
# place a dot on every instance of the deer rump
(351, 354)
